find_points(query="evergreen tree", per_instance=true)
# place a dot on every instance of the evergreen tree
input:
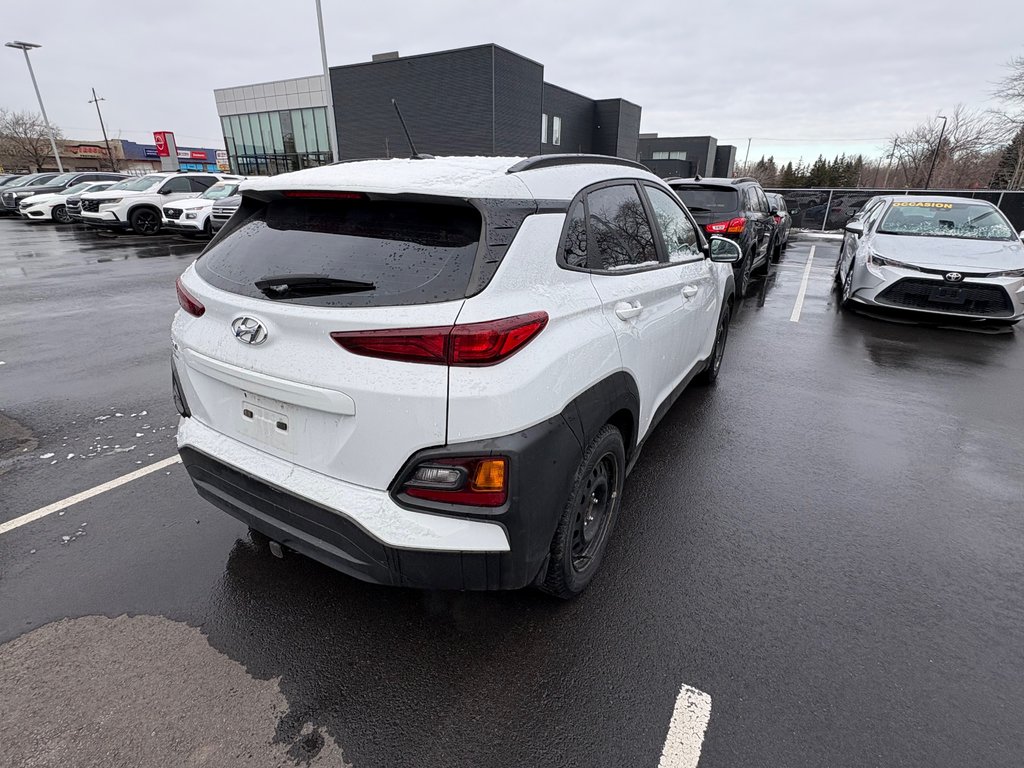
(820, 173)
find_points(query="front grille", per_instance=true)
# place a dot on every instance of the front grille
(8, 200)
(91, 206)
(972, 299)
(173, 213)
(73, 205)
(223, 213)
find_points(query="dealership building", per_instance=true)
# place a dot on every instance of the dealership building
(481, 100)
(128, 157)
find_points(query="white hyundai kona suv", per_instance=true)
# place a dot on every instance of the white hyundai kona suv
(438, 372)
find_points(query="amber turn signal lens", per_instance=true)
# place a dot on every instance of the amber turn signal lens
(489, 475)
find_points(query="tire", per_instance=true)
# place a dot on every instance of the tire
(709, 376)
(777, 252)
(60, 214)
(846, 286)
(258, 538)
(744, 273)
(145, 221)
(208, 228)
(595, 498)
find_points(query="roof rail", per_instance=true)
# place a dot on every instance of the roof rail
(553, 161)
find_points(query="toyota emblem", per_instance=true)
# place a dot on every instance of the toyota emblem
(249, 330)
(954, 277)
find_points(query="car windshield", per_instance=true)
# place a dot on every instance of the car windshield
(64, 178)
(708, 198)
(80, 187)
(140, 184)
(929, 218)
(220, 191)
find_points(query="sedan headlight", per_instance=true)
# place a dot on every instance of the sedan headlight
(880, 261)
(1007, 273)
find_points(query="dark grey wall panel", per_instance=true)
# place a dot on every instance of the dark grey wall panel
(577, 114)
(446, 99)
(518, 100)
(616, 128)
(725, 160)
(698, 149)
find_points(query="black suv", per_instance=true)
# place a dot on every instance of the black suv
(737, 209)
(53, 183)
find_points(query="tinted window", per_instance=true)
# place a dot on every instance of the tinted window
(622, 234)
(178, 184)
(762, 200)
(703, 199)
(202, 183)
(412, 253)
(752, 202)
(678, 233)
(575, 249)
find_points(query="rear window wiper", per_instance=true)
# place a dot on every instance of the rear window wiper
(290, 286)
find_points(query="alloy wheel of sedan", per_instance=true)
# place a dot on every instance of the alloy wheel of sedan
(60, 215)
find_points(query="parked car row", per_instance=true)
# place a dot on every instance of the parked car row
(145, 205)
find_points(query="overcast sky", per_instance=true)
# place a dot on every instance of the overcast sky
(799, 78)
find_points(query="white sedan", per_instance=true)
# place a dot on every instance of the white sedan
(50, 206)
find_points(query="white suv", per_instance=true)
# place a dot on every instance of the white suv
(192, 217)
(437, 372)
(136, 204)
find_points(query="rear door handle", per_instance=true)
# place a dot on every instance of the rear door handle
(690, 291)
(627, 311)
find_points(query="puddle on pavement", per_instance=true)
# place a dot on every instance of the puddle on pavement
(15, 439)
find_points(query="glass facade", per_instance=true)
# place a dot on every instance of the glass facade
(267, 143)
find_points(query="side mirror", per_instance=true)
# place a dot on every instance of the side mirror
(1021, 234)
(855, 228)
(780, 214)
(724, 250)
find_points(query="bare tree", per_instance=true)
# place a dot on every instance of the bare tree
(1010, 90)
(24, 140)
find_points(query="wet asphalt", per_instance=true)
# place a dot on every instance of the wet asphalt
(830, 544)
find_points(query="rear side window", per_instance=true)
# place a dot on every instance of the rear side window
(622, 234)
(575, 249)
(704, 199)
(349, 253)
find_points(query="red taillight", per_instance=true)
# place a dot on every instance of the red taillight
(476, 481)
(473, 344)
(778, 219)
(187, 301)
(324, 194)
(730, 227)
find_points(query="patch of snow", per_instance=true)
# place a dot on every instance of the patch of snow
(119, 414)
(46, 456)
(71, 455)
(139, 434)
(143, 413)
(621, 267)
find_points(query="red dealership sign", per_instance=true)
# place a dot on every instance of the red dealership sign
(196, 154)
(162, 144)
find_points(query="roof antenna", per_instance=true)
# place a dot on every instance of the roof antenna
(415, 155)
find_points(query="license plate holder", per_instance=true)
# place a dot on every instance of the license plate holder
(948, 294)
(265, 420)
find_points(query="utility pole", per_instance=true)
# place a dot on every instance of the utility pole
(746, 157)
(332, 129)
(935, 155)
(885, 181)
(25, 48)
(110, 155)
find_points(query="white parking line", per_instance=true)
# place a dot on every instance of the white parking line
(49, 509)
(795, 317)
(686, 730)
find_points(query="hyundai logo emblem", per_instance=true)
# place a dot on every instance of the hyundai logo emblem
(954, 277)
(249, 330)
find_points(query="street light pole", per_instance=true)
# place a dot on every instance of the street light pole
(25, 48)
(332, 129)
(885, 181)
(110, 156)
(935, 155)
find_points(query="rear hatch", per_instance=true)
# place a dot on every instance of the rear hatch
(303, 268)
(709, 204)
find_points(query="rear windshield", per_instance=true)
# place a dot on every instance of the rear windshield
(928, 218)
(387, 253)
(700, 199)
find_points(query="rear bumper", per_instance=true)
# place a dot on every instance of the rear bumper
(367, 534)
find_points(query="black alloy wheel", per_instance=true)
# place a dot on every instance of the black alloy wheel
(709, 375)
(145, 221)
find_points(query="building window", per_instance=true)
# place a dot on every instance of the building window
(543, 129)
(556, 131)
(668, 156)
